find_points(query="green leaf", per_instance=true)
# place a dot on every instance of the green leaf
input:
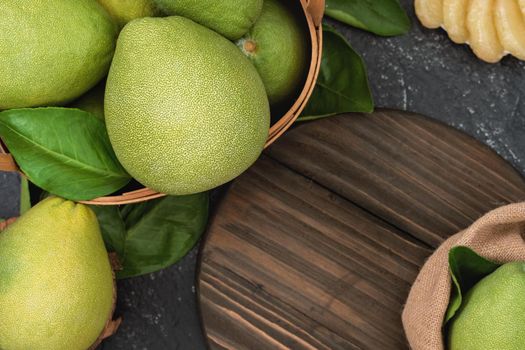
(381, 17)
(153, 235)
(342, 85)
(25, 199)
(132, 214)
(466, 269)
(112, 226)
(64, 151)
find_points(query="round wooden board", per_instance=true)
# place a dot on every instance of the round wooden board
(316, 246)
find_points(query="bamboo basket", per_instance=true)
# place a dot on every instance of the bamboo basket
(313, 11)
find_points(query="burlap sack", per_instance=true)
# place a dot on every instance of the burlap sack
(497, 236)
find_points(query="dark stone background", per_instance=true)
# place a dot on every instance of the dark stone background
(422, 72)
(9, 194)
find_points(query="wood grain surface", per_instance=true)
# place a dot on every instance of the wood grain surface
(316, 246)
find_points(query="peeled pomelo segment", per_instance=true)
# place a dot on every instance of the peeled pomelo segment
(430, 12)
(510, 27)
(521, 3)
(483, 37)
(454, 20)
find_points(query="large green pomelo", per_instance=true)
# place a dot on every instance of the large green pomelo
(185, 109)
(230, 18)
(124, 11)
(52, 51)
(278, 47)
(56, 283)
(492, 315)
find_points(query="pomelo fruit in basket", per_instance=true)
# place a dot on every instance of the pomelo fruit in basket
(92, 101)
(492, 315)
(230, 18)
(278, 47)
(123, 11)
(56, 283)
(52, 51)
(185, 109)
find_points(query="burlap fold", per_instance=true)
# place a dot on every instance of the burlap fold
(497, 236)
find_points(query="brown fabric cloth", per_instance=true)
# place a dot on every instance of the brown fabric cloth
(497, 236)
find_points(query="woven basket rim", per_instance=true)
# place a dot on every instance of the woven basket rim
(313, 11)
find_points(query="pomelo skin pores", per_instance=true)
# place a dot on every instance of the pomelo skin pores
(53, 51)
(185, 110)
(56, 282)
(278, 47)
(492, 313)
(230, 18)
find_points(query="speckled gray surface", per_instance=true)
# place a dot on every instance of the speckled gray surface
(9, 194)
(425, 72)
(159, 310)
(422, 72)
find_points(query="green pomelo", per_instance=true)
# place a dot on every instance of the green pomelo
(124, 11)
(56, 283)
(92, 101)
(52, 51)
(185, 110)
(230, 18)
(492, 315)
(278, 47)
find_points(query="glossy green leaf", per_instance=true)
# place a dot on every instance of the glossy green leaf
(65, 151)
(112, 226)
(466, 269)
(342, 85)
(153, 235)
(382, 17)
